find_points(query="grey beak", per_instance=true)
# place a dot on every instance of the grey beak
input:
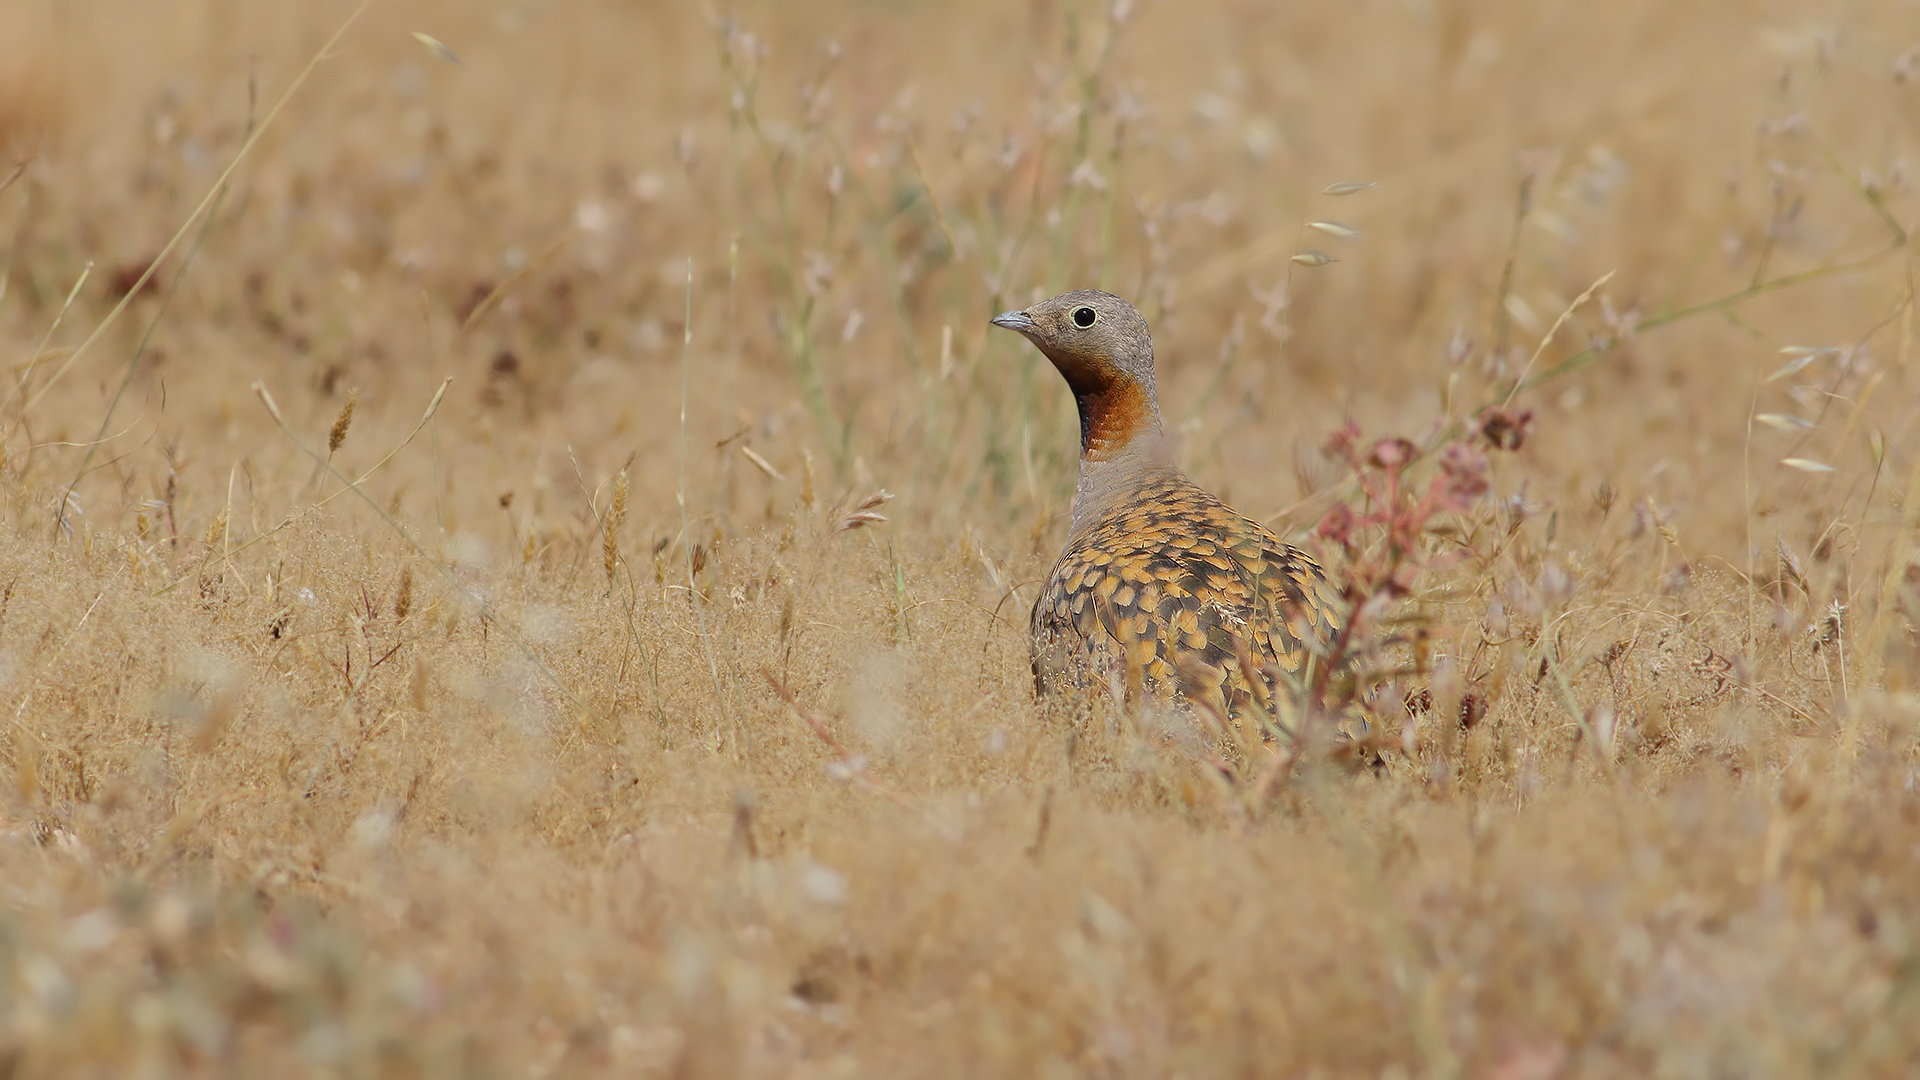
(1014, 320)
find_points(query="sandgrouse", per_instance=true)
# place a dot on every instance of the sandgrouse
(1161, 587)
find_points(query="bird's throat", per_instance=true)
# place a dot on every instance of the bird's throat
(1113, 417)
(1121, 450)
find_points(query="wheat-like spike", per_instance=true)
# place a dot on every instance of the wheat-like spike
(217, 531)
(403, 600)
(342, 422)
(615, 515)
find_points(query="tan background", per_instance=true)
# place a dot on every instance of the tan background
(266, 815)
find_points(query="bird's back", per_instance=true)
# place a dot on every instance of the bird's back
(1173, 594)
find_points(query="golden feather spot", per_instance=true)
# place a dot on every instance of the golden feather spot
(1106, 585)
(1194, 639)
(1123, 596)
(1140, 627)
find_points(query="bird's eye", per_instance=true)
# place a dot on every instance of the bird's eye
(1083, 317)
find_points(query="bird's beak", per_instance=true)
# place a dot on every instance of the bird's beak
(1014, 320)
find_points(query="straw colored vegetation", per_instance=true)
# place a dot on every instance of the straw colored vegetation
(652, 697)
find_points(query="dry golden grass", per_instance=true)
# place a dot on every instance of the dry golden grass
(477, 767)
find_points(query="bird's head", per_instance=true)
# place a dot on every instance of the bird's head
(1096, 339)
(1100, 345)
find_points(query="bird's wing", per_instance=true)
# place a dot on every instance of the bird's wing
(1182, 593)
(1300, 609)
(1167, 609)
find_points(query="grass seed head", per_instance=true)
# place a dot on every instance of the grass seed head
(437, 47)
(1806, 465)
(866, 512)
(342, 422)
(1785, 422)
(403, 597)
(617, 513)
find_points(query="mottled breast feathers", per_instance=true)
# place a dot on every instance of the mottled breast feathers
(1173, 594)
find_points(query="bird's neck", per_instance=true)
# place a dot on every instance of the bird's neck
(1121, 448)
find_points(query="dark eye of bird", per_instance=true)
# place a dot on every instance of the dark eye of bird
(1083, 317)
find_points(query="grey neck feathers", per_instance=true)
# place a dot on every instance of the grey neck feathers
(1110, 480)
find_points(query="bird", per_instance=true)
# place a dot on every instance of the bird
(1161, 589)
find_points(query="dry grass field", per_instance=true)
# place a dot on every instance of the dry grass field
(534, 582)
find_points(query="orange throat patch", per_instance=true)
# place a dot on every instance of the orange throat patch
(1112, 417)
